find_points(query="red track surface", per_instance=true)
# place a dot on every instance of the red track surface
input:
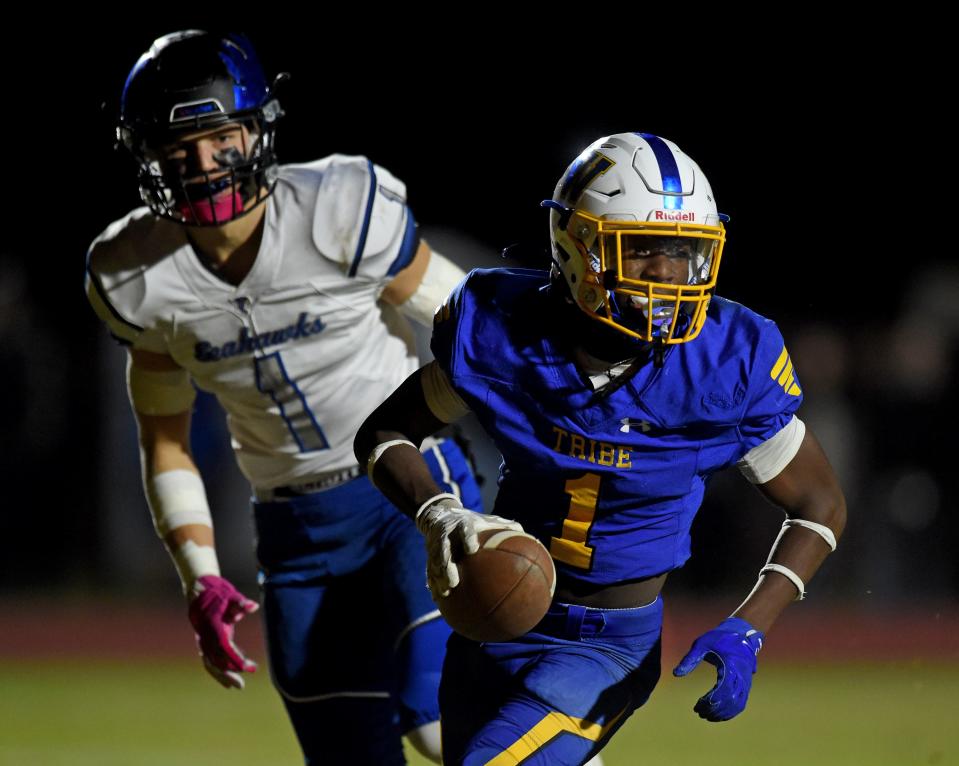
(38, 630)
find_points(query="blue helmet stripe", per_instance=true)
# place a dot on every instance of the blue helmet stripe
(239, 81)
(668, 169)
(141, 64)
(249, 84)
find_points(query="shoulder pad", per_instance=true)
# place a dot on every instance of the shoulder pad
(360, 211)
(117, 264)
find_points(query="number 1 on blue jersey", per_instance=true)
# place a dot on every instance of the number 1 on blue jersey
(571, 548)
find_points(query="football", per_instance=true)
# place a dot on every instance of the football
(505, 587)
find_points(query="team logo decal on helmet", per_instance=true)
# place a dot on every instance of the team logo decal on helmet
(191, 84)
(627, 198)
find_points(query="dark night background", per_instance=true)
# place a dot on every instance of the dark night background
(820, 159)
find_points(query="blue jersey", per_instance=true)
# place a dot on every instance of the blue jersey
(609, 482)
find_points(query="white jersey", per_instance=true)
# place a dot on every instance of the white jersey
(300, 352)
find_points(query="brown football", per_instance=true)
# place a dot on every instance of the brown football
(505, 587)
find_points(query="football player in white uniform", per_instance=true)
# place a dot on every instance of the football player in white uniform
(274, 288)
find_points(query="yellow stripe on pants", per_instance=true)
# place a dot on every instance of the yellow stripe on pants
(550, 726)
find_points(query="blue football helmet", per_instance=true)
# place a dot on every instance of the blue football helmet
(630, 198)
(190, 84)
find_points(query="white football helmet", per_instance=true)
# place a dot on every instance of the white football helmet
(626, 198)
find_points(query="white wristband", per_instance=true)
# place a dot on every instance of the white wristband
(177, 498)
(378, 451)
(789, 575)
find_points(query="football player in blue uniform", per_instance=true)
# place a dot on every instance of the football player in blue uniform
(284, 291)
(614, 386)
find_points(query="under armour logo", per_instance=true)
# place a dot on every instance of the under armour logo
(644, 425)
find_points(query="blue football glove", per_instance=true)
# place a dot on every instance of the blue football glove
(732, 647)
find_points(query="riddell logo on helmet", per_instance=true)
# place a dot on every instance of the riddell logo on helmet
(674, 215)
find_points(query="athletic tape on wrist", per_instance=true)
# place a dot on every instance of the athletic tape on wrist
(194, 561)
(177, 498)
(434, 499)
(378, 451)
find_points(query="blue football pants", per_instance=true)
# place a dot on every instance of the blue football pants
(554, 696)
(355, 642)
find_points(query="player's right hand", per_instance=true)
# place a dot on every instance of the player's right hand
(215, 609)
(449, 527)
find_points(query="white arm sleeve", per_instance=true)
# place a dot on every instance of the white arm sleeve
(441, 276)
(767, 460)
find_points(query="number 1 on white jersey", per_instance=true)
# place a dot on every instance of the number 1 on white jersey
(272, 379)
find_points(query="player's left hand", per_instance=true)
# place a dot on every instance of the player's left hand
(732, 647)
(215, 609)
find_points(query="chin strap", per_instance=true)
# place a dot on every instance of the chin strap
(659, 351)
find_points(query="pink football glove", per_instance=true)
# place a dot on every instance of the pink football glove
(215, 608)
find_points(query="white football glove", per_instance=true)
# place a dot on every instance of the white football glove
(448, 526)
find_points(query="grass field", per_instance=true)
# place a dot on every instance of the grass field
(168, 713)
